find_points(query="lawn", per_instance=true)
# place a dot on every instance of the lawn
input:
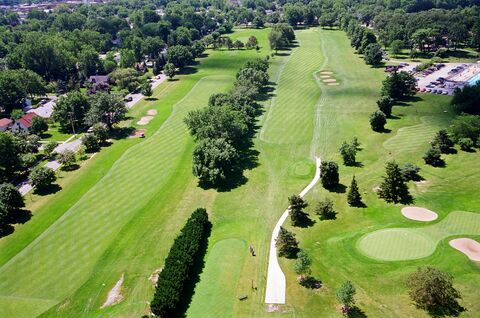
(333, 244)
(119, 213)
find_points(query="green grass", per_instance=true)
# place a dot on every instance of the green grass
(398, 244)
(120, 212)
(214, 294)
(73, 251)
(344, 114)
(54, 134)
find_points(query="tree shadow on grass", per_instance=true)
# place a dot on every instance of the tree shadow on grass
(194, 275)
(355, 312)
(51, 189)
(151, 99)
(121, 132)
(6, 229)
(188, 70)
(454, 309)
(19, 217)
(71, 167)
(305, 221)
(339, 188)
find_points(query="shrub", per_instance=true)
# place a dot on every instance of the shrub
(179, 265)
(325, 210)
(466, 144)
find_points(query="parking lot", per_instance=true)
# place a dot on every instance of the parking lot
(441, 78)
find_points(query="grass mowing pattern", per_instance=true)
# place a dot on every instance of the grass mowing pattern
(333, 245)
(219, 275)
(399, 244)
(81, 235)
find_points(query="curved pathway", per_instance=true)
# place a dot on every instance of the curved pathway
(276, 283)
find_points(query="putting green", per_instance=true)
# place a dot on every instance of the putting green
(397, 244)
(216, 293)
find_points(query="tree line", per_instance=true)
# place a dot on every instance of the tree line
(223, 131)
(180, 264)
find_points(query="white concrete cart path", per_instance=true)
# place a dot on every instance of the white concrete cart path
(276, 283)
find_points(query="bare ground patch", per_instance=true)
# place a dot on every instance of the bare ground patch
(144, 120)
(114, 295)
(154, 277)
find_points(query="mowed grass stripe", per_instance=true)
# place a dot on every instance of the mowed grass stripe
(84, 231)
(293, 106)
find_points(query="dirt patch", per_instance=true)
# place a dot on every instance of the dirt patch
(151, 112)
(276, 308)
(154, 277)
(330, 80)
(376, 189)
(144, 120)
(114, 295)
(467, 246)
(326, 73)
(137, 133)
(419, 214)
(333, 84)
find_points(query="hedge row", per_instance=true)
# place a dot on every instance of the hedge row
(179, 265)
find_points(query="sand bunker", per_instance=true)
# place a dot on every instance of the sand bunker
(419, 214)
(467, 246)
(324, 76)
(330, 80)
(144, 120)
(333, 84)
(326, 72)
(152, 112)
(114, 296)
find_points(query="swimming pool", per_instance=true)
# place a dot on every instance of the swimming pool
(474, 80)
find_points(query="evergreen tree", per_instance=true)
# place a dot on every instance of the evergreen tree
(286, 243)
(433, 157)
(394, 188)
(442, 141)
(385, 105)
(297, 204)
(346, 295)
(348, 153)
(378, 120)
(354, 197)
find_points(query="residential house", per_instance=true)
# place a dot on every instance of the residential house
(99, 79)
(24, 123)
(5, 124)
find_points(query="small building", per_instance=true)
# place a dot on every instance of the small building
(99, 79)
(24, 123)
(5, 124)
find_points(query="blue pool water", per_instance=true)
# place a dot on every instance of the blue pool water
(474, 80)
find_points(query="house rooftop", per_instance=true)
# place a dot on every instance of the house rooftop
(5, 122)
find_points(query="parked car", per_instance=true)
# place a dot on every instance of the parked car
(128, 99)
